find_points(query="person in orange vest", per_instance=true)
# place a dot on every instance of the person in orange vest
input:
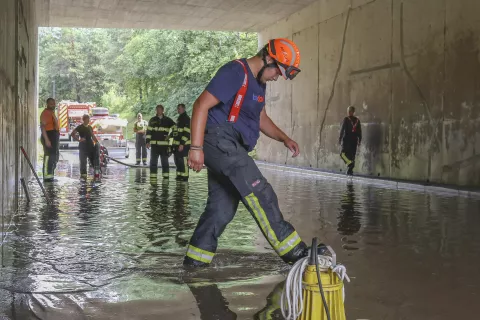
(350, 138)
(50, 140)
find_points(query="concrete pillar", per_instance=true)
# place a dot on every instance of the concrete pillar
(18, 112)
(410, 67)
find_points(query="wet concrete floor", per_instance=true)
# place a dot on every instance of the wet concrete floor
(113, 250)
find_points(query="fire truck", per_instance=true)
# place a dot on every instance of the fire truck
(70, 115)
(110, 131)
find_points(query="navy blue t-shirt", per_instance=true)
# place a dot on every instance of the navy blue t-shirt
(224, 86)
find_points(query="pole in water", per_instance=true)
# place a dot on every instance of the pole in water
(25, 189)
(35, 174)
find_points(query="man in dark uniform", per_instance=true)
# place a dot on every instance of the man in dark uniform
(158, 133)
(226, 123)
(87, 146)
(140, 129)
(350, 138)
(181, 143)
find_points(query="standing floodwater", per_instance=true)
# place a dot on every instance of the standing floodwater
(114, 250)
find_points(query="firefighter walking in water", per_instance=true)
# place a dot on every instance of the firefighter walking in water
(158, 133)
(181, 143)
(350, 138)
(50, 140)
(226, 123)
(140, 129)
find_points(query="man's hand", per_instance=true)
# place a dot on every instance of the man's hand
(180, 148)
(82, 139)
(195, 160)
(48, 143)
(148, 145)
(292, 146)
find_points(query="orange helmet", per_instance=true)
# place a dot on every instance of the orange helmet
(286, 55)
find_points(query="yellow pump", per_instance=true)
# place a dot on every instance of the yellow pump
(313, 307)
(320, 281)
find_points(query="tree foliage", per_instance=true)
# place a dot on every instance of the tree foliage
(132, 71)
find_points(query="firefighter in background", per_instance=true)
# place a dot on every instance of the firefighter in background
(140, 129)
(158, 134)
(88, 145)
(50, 140)
(350, 138)
(181, 143)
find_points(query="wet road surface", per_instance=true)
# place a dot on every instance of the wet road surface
(113, 250)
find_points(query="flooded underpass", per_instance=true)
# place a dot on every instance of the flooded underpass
(114, 250)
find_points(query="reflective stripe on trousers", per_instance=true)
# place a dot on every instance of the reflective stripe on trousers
(46, 175)
(344, 157)
(281, 248)
(199, 254)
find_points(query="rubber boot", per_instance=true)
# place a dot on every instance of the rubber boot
(190, 263)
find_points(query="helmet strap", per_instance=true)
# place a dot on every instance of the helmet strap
(265, 64)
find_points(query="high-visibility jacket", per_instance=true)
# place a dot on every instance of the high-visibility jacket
(158, 131)
(181, 133)
(140, 126)
(49, 120)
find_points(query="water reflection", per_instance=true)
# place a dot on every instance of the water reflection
(114, 251)
(272, 309)
(141, 175)
(49, 212)
(349, 217)
(181, 213)
(211, 303)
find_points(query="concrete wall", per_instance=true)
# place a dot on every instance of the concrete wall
(412, 69)
(18, 60)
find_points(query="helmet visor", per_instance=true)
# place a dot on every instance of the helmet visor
(288, 72)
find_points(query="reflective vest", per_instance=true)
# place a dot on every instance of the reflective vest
(140, 126)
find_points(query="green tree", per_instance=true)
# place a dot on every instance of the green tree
(132, 71)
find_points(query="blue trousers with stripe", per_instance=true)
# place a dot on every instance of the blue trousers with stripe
(233, 176)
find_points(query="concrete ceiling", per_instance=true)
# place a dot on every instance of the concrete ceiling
(238, 15)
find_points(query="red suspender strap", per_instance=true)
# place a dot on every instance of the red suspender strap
(354, 126)
(237, 103)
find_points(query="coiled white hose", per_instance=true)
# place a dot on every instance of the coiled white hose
(292, 295)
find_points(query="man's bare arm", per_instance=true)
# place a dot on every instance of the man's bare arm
(270, 129)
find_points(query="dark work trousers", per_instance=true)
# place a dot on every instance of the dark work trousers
(87, 152)
(233, 176)
(50, 155)
(348, 153)
(163, 153)
(141, 147)
(181, 163)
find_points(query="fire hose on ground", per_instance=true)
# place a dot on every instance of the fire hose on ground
(129, 164)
